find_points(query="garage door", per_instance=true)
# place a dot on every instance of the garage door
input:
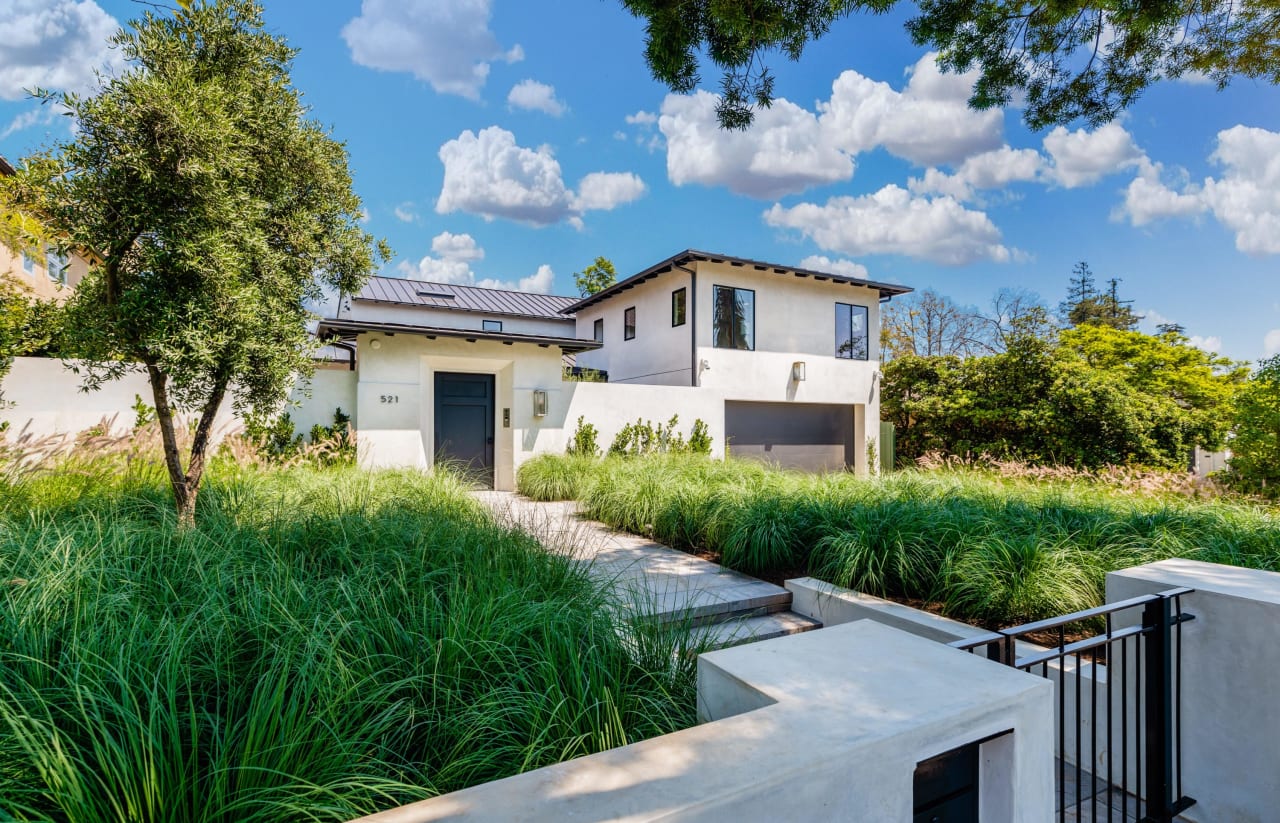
(810, 436)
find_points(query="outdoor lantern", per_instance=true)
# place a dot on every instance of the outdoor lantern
(539, 403)
(797, 371)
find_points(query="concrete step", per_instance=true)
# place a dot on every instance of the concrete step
(754, 629)
(700, 606)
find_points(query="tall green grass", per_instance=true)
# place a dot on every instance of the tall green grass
(982, 547)
(322, 645)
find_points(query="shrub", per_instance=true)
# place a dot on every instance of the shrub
(583, 442)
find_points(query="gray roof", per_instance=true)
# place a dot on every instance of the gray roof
(464, 298)
(690, 255)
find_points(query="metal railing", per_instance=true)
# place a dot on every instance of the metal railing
(1145, 699)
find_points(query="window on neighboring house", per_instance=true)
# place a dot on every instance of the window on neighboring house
(733, 321)
(678, 307)
(491, 325)
(598, 330)
(629, 324)
(57, 266)
(29, 263)
(851, 332)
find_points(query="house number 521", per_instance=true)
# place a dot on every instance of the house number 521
(389, 398)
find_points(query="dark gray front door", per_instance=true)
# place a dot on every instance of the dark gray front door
(464, 423)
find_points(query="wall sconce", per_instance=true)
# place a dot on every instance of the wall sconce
(375, 344)
(539, 403)
(797, 371)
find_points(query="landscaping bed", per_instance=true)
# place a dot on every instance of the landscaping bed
(974, 545)
(322, 644)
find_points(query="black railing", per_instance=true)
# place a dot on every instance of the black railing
(1141, 708)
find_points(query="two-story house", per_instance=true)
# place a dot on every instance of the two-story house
(780, 362)
(45, 274)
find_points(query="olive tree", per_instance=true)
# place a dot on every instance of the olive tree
(213, 207)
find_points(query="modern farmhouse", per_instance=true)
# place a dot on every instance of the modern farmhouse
(780, 362)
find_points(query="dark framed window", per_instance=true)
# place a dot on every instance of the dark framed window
(733, 319)
(629, 323)
(597, 330)
(851, 332)
(678, 307)
(491, 325)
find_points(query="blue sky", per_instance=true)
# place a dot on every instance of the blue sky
(511, 143)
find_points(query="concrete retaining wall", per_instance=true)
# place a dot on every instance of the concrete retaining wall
(822, 726)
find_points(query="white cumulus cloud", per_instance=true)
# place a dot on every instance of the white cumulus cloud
(1083, 157)
(54, 44)
(490, 175)
(1212, 344)
(1244, 198)
(1271, 343)
(451, 263)
(445, 43)
(929, 122)
(847, 268)
(602, 191)
(989, 170)
(893, 221)
(786, 149)
(534, 96)
(405, 213)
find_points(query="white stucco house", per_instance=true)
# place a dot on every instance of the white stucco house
(780, 362)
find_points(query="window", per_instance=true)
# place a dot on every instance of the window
(57, 266)
(629, 324)
(598, 330)
(491, 325)
(28, 263)
(733, 323)
(851, 332)
(677, 307)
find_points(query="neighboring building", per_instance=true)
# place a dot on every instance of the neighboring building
(48, 276)
(781, 362)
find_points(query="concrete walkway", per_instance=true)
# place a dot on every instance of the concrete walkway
(723, 606)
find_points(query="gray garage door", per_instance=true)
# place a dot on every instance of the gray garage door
(810, 436)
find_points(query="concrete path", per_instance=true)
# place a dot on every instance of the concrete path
(723, 606)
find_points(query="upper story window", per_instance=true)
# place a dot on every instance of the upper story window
(851, 332)
(733, 320)
(597, 330)
(491, 325)
(29, 263)
(629, 323)
(678, 307)
(57, 266)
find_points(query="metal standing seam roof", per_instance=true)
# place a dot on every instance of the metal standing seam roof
(464, 298)
(886, 290)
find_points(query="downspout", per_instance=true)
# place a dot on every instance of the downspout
(692, 307)
(349, 348)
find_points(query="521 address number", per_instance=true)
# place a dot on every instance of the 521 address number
(389, 398)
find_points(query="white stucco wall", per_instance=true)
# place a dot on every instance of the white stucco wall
(315, 401)
(1230, 658)
(42, 397)
(660, 353)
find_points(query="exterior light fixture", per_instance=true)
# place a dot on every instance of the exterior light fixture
(539, 403)
(797, 371)
(375, 344)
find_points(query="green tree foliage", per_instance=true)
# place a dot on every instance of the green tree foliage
(1088, 397)
(1255, 449)
(1086, 305)
(597, 277)
(215, 208)
(1067, 60)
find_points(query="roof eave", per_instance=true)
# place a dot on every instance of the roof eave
(691, 255)
(566, 344)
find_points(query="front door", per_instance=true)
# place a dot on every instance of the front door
(464, 424)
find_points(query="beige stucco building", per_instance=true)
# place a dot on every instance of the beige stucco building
(780, 362)
(45, 274)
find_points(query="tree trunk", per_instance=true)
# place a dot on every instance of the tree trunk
(186, 484)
